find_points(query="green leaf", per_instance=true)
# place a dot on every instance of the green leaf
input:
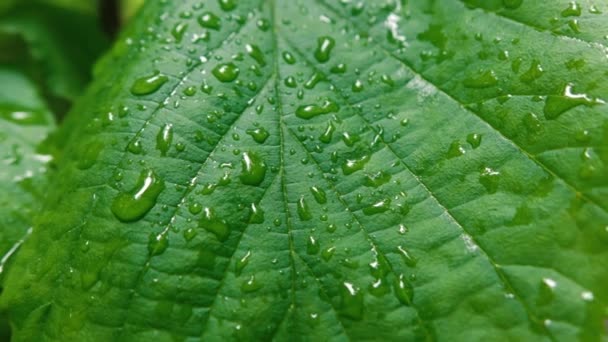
(331, 170)
(25, 121)
(55, 45)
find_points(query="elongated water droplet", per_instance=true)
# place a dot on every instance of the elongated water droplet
(324, 46)
(178, 31)
(226, 72)
(573, 10)
(251, 285)
(351, 301)
(556, 105)
(257, 214)
(132, 205)
(379, 288)
(312, 110)
(318, 194)
(148, 84)
(489, 179)
(312, 246)
(407, 257)
(253, 169)
(256, 53)
(327, 135)
(89, 155)
(303, 210)
(485, 79)
(211, 223)
(456, 149)
(328, 253)
(164, 138)
(377, 208)
(157, 243)
(403, 290)
(353, 165)
(377, 179)
(314, 79)
(241, 263)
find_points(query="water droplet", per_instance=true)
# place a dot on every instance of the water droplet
(132, 205)
(253, 169)
(338, 69)
(407, 257)
(318, 194)
(256, 53)
(157, 243)
(377, 179)
(89, 155)
(290, 82)
(227, 5)
(573, 10)
(210, 21)
(351, 166)
(474, 140)
(485, 79)
(352, 301)
(226, 72)
(312, 246)
(314, 79)
(357, 86)
(489, 179)
(195, 208)
(403, 290)
(241, 263)
(535, 72)
(512, 4)
(164, 138)
(178, 31)
(456, 149)
(377, 208)
(546, 291)
(327, 135)
(190, 91)
(328, 253)
(532, 123)
(556, 105)
(259, 135)
(251, 285)
(288, 58)
(312, 110)
(257, 214)
(148, 84)
(324, 46)
(212, 224)
(303, 210)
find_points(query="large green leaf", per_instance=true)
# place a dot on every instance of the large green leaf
(331, 170)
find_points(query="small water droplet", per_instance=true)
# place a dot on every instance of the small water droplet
(328, 253)
(403, 290)
(327, 135)
(573, 10)
(178, 31)
(485, 79)
(227, 5)
(324, 46)
(556, 105)
(257, 214)
(456, 149)
(251, 285)
(474, 140)
(407, 257)
(534, 73)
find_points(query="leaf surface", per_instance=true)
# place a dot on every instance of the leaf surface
(331, 170)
